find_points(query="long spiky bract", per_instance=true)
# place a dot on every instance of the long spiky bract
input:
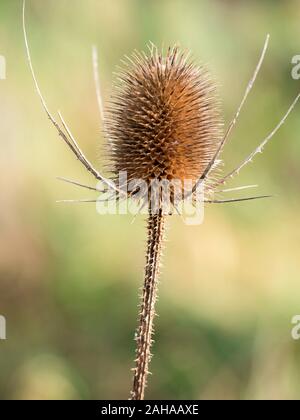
(97, 83)
(163, 124)
(236, 116)
(63, 131)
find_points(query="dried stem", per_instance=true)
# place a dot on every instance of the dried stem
(156, 224)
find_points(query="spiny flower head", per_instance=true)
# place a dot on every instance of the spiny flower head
(164, 118)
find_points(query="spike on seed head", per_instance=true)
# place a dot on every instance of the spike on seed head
(164, 119)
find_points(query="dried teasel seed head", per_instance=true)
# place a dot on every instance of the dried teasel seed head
(164, 118)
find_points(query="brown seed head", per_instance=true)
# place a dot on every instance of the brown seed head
(164, 120)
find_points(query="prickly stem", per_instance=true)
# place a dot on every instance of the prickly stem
(156, 227)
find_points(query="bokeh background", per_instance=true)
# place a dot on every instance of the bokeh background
(70, 279)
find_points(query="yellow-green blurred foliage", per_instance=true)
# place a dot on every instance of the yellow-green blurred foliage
(69, 278)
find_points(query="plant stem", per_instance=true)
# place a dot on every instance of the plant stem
(144, 340)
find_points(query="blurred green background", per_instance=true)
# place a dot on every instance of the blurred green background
(70, 279)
